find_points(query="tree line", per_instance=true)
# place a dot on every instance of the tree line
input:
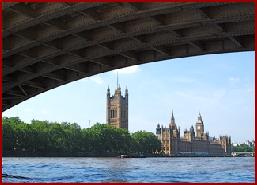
(243, 148)
(43, 138)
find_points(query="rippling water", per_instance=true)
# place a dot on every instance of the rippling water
(128, 170)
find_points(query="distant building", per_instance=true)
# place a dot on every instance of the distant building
(117, 108)
(195, 141)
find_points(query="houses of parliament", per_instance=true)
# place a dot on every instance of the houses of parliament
(195, 141)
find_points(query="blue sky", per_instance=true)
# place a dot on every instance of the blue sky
(220, 86)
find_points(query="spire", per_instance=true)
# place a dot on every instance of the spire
(200, 117)
(118, 85)
(172, 117)
(172, 121)
(108, 91)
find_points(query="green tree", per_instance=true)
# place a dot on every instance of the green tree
(146, 142)
(104, 138)
(9, 139)
(243, 148)
(43, 138)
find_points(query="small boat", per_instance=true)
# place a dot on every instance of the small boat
(124, 156)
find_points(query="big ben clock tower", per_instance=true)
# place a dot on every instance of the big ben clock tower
(199, 126)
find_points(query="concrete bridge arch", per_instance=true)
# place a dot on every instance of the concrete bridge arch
(46, 45)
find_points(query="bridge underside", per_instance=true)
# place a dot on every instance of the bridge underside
(46, 45)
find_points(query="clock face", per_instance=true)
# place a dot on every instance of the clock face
(198, 127)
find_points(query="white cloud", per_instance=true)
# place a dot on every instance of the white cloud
(234, 79)
(127, 70)
(97, 79)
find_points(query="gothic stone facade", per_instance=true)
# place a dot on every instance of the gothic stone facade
(117, 109)
(194, 143)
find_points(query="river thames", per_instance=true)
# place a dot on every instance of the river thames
(207, 169)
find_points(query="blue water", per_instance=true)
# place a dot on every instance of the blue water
(206, 169)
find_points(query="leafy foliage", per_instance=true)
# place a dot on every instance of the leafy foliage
(243, 148)
(146, 142)
(43, 138)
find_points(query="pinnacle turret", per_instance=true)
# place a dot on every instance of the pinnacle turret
(172, 121)
(200, 119)
(108, 91)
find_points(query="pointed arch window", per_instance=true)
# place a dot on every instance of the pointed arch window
(113, 113)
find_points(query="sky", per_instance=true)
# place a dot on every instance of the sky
(220, 86)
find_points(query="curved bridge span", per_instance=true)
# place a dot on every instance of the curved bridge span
(46, 45)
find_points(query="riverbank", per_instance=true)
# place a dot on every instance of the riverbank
(118, 155)
(86, 154)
